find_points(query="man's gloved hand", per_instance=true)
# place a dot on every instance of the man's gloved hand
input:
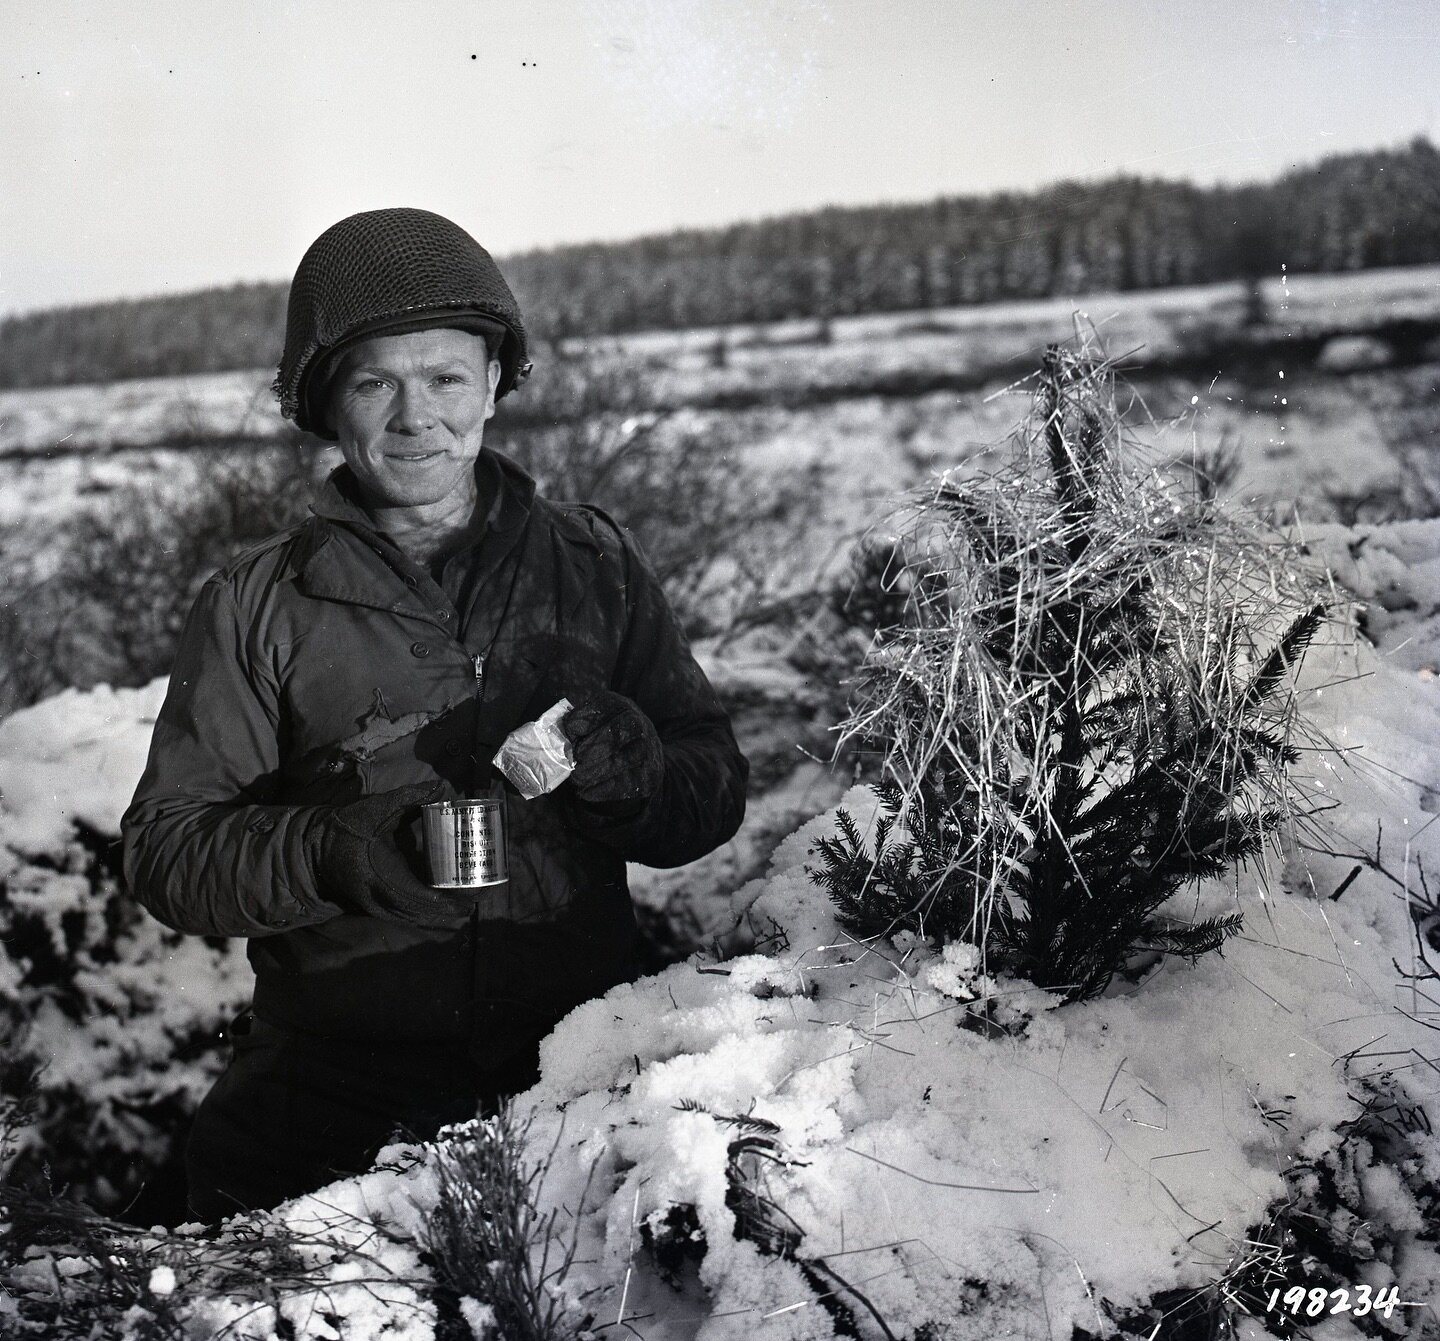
(619, 763)
(363, 869)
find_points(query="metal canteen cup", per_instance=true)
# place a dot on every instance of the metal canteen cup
(465, 843)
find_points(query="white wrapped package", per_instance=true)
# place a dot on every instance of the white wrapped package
(536, 757)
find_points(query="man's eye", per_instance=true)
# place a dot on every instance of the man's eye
(447, 379)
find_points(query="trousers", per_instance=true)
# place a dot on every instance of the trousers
(293, 1111)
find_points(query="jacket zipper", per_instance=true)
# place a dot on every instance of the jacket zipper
(478, 661)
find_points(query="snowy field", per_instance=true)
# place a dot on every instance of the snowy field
(773, 361)
(941, 1155)
(887, 400)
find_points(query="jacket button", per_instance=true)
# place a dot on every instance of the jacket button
(453, 748)
(419, 650)
(442, 615)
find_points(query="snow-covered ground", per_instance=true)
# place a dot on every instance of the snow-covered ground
(957, 1155)
(122, 1015)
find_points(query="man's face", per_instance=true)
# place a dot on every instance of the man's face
(409, 412)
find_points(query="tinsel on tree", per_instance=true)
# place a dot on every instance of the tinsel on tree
(1086, 707)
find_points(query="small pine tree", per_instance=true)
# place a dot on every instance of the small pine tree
(1076, 716)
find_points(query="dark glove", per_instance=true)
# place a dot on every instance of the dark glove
(363, 869)
(619, 762)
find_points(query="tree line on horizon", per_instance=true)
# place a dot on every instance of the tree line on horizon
(1347, 212)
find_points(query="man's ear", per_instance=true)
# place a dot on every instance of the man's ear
(492, 371)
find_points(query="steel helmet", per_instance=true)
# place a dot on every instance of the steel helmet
(389, 272)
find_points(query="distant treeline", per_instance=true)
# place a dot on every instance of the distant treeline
(1348, 212)
(212, 330)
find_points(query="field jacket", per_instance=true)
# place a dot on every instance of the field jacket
(322, 665)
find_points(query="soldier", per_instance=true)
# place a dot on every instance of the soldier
(339, 675)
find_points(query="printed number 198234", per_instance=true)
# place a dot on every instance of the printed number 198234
(1302, 1302)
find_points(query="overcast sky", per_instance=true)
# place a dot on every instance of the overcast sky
(155, 146)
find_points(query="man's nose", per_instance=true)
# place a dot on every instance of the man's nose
(411, 412)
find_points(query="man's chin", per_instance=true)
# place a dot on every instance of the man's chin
(413, 498)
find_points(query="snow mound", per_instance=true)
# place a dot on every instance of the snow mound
(1353, 353)
(115, 1017)
(1107, 1151)
(73, 758)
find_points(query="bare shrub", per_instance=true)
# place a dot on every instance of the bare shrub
(1085, 708)
(487, 1238)
(714, 528)
(101, 1278)
(68, 1274)
(109, 609)
(35, 619)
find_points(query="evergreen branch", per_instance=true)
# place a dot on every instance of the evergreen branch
(1286, 654)
(1190, 938)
